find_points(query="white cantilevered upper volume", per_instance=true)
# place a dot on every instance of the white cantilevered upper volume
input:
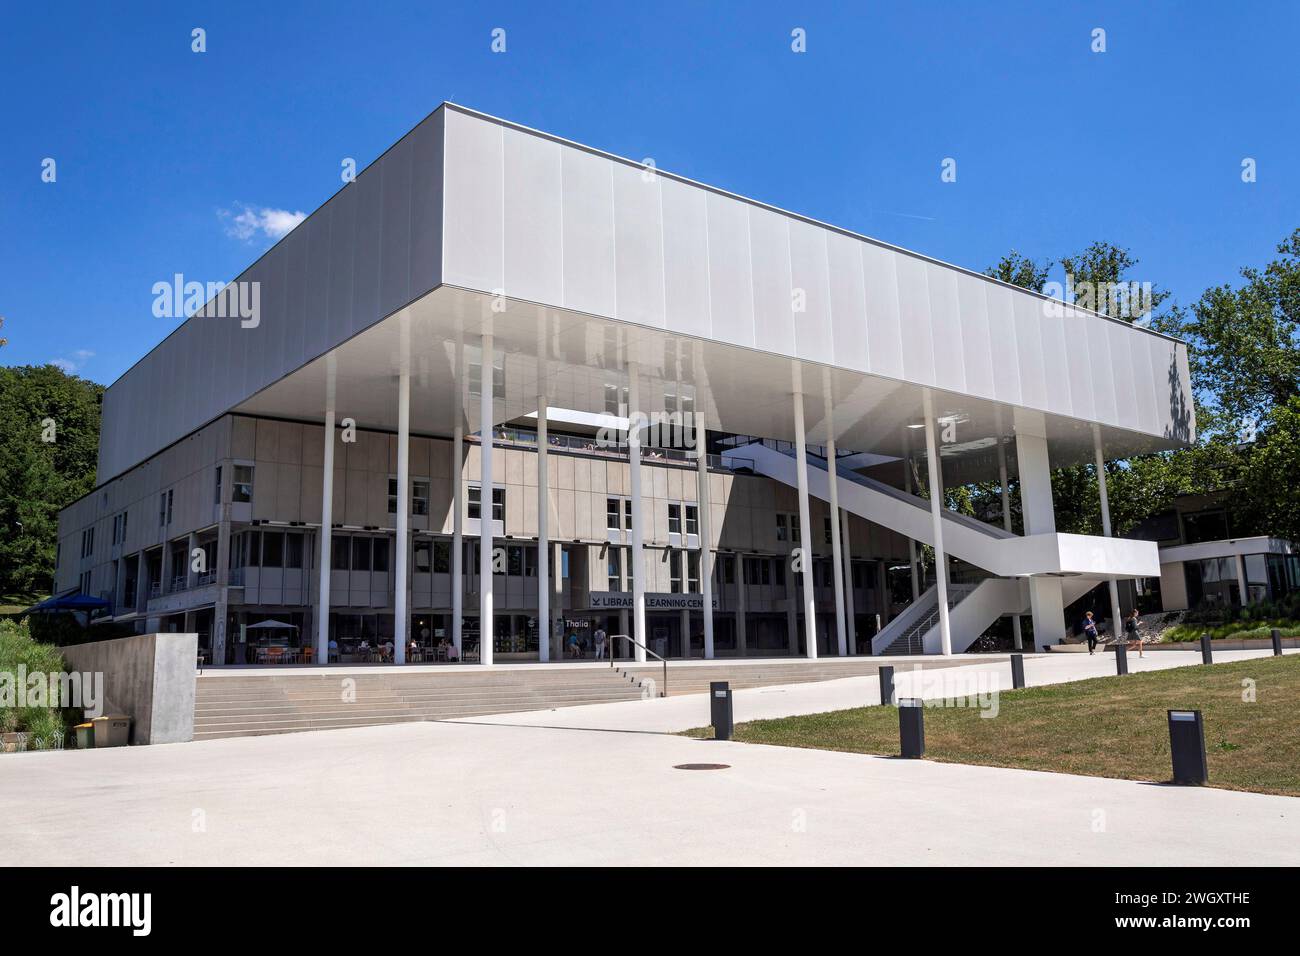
(467, 209)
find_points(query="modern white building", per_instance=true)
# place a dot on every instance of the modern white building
(483, 287)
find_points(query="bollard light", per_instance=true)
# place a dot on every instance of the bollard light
(1017, 671)
(1121, 657)
(1207, 655)
(887, 685)
(1277, 642)
(720, 709)
(911, 727)
(1187, 748)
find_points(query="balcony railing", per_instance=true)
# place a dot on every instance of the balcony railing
(590, 446)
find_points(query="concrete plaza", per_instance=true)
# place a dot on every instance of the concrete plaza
(599, 785)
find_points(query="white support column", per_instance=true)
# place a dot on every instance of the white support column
(1046, 602)
(638, 528)
(1116, 622)
(705, 531)
(936, 516)
(850, 610)
(326, 525)
(402, 544)
(911, 542)
(486, 621)
(1243, 587)
(1006, 524)
(543, 539)
(837, 554)
(458, 534)
(805, 522)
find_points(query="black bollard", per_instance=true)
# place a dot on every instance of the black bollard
(1187, 748)
(1017, 671)
(1121, 657)
(720, 709)
(1277, 643)
(1207, 655)
(887, 685)
(911, 727)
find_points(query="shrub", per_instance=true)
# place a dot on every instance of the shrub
(17, 648)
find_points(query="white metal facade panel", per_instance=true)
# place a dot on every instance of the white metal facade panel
(686, 259)
(947, 323)
(914, 320)
(638, 246)
(587, 211)
(472, 207)
(850, 344)
(769, 251)
(810, 282)
(731, 289)
(533, 243)
(884, 317)
(977, 347)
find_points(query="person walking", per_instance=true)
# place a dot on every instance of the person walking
(600, 643)
(1131, 631)
(1090, 631)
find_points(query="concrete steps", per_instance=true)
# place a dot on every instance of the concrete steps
(237, 705)
(234, 705)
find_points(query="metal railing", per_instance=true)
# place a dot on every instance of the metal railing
(592, 446)
(632, 640)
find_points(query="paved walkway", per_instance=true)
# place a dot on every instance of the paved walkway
(532, 789)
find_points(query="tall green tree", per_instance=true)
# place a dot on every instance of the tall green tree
(49, 439)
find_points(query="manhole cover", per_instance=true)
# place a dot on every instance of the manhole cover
(702, 766)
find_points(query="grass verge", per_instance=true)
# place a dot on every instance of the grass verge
(1102, 727)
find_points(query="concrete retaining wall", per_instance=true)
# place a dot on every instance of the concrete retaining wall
(149, 677)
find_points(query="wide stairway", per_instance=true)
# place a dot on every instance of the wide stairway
(241, 705)
(235, 705)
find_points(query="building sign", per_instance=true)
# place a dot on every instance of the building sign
(622, 600)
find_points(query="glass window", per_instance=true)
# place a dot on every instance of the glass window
(675, 572)
(292, 550)
(474, 502)
(422, 552)
(498, 504)
(273, 549)
(392, 496)
(794, 528)
(612, 514)
(674, 519)
(693, 572)
(627, 513)
(515, 561)
(216, 500)
(442, 557)
(253, 541)
(530, 562)
(778, 573)
(340, 552)
(162, 510)
(614, 569)
(420, 496)
(242, 489)
(827, 527)
(692, 519)
(381, 554)
(360, 554)
(781, 533)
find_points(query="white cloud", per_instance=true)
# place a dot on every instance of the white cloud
(248, 221)
(70, 365)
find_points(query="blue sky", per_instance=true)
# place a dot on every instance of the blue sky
(160, 150)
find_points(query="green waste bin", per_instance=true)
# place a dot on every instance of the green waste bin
(85, 736)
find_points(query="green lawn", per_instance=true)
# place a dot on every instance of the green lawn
(1103, 727)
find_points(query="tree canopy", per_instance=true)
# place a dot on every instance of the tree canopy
(49, 440)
